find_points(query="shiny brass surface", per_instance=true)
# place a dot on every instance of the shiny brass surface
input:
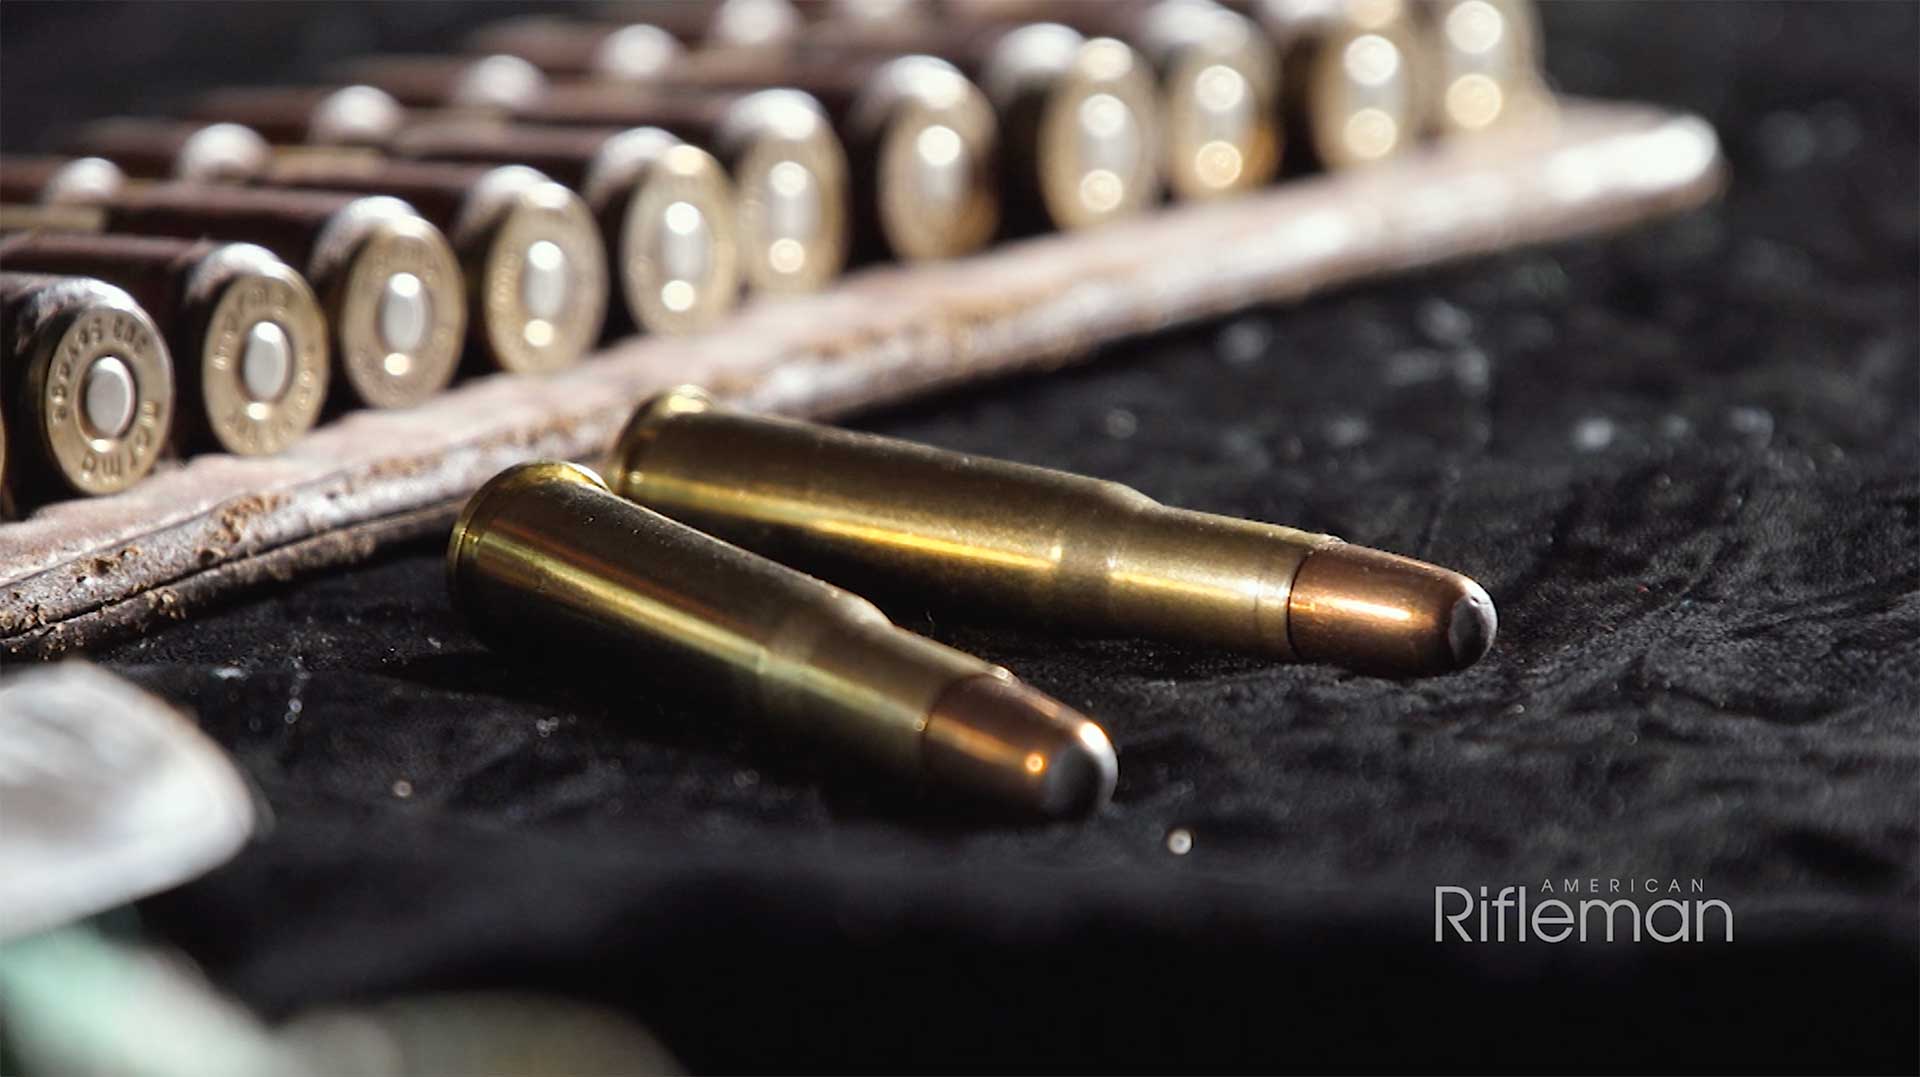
(1221, 79)
(263, 361)
(1357, 77)
(1024, 541)
(89, 380)
(532, 255)
(1486, 64)
(667, 209)
(936, 146)
(789, 168)
(1094, 114)
(396, 299)
(387, 279)
(546, 556)
(790, 175)
(1364, 99)
(247, 336)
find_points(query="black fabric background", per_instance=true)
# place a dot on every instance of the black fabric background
(1685, 461)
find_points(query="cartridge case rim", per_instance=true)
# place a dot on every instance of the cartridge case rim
(913, 96)
(1350, 125)
(62, 344)
(236, 289)
(767, 130)
(366, 245)
(517, 209)
(1197, 169)
(1462, 82)
(1102, 67)
(625, 465)
(465, 535)
(682, 173)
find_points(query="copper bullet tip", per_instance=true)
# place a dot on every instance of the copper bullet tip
(1006, 743)
(1382, 613)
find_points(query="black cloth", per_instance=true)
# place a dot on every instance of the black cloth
(1685, 461)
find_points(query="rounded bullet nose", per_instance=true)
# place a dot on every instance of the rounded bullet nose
(1001, 742)
(1381, 613)
(1082, 775)
(1473, 625)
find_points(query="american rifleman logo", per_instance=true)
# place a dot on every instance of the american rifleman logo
(1583, 910)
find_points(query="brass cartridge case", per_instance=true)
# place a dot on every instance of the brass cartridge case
(1356, 78)
(1486, 64)
(1219, 78)
(535, 265)
(923, 140)
(351, 115)
(387, 279)
(1079, 117)
(665, 208)
(789, 169)
(1029, 542)
(190, 150)
(48, 180)
(545, 556)
(247, 336)
(88, 385)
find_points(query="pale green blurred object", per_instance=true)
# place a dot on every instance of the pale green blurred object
(76, 1003)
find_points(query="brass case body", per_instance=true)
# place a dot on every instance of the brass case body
(1356, 79)
(546, 552)
(1020, 541)
(1486, 64)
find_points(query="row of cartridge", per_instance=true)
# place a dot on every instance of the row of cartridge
(223, 279)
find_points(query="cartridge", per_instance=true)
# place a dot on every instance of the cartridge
(1030, 542)
(88, 385)
(247, 337)
(544, 557)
